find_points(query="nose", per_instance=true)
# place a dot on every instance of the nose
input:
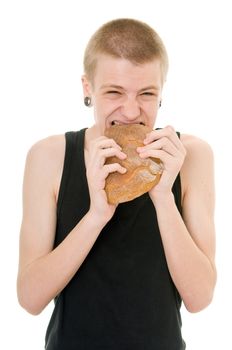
(130, 108)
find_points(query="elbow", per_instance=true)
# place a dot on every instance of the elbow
(31, 309)
(199, 301)
(194, 305)
(27, 301)
(202, 297)
(29, 306)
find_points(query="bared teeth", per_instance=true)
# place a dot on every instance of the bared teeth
(115, 122)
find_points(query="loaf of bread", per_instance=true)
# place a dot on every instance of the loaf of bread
(141, 175)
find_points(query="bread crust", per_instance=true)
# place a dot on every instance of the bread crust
(141, 175)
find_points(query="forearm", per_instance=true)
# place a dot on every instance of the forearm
(44, 278)
(191, 270)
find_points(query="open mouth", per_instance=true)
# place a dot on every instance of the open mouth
(115, 122)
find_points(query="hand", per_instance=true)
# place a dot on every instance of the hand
(165, 145)
(97, 171)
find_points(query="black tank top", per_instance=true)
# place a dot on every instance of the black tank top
(122, 297)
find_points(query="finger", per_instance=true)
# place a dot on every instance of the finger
(100, 155)
(110, 152)
(104, 142)
(115, 167)
(162, 155)
(168, 132)
(164, 143)
(103, 154)
(158, 133)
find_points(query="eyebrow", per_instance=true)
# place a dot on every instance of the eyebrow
(150, 87)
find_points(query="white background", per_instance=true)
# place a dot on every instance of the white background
(42, 45)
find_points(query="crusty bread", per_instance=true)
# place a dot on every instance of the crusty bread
(141, 175)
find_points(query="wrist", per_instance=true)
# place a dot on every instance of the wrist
(98, 221)
(162, 198)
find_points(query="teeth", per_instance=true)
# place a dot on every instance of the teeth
(115, 122)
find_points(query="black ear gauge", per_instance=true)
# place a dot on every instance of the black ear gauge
(87, 101)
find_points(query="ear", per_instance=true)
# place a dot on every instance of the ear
(86, 85)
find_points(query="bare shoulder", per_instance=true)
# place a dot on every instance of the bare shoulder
(45, 160)
(48, 146)
(198, 162)
(194, 144)
(197, 150)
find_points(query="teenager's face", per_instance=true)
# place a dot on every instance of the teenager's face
(124, 93)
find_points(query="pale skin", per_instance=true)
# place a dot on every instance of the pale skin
(121, 93)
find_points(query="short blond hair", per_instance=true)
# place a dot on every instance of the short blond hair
(125, 38)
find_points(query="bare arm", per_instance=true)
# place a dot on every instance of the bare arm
(44, 272)
(189, 243)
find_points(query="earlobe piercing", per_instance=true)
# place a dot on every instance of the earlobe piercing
(87, 101)
(160, 103)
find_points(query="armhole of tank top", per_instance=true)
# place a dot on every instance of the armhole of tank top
(177, 188)
(70, 142)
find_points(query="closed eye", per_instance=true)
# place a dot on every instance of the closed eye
(147, 93)
(113, 92)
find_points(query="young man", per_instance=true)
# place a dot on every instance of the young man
(118, 274)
